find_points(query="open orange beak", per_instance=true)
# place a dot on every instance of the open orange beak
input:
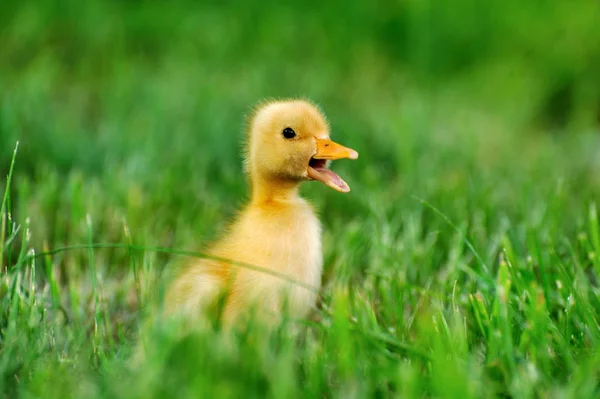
(328, 150)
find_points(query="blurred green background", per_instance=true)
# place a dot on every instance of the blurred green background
(149, 98)
(130, 117)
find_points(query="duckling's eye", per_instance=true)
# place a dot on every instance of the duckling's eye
(289, 133)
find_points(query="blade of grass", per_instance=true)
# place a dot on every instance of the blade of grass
(5, 217)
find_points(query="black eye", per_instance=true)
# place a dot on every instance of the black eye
(289, 133)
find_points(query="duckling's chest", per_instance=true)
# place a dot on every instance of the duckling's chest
(287, 241)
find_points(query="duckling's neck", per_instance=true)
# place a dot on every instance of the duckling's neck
(273, 189)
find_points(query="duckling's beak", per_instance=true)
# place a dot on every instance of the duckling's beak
(317, 167)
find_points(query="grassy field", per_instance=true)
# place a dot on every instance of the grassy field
(464, 263)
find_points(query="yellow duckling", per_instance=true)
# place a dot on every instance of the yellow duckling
(288, 143)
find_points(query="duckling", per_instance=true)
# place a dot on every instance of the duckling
(288, 143)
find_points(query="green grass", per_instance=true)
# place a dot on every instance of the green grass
(464, 263)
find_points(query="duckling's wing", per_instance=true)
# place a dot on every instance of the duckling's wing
(196, 289)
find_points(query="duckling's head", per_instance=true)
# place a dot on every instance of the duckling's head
(289, 142)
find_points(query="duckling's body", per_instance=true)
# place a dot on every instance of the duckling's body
(277, 231)
(281, 237)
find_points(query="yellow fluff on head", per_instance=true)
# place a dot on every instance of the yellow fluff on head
(287, 143)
